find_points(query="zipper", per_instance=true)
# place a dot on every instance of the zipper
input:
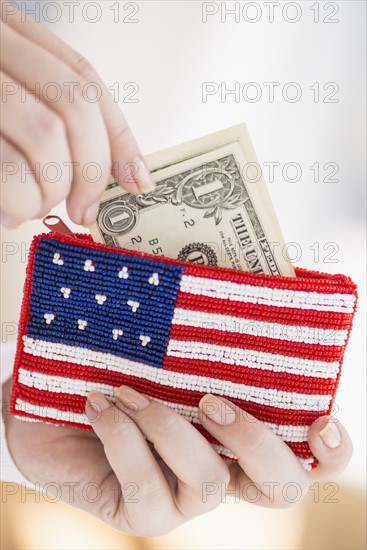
(55, 223)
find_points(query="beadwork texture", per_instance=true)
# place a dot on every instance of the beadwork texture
(95, 317)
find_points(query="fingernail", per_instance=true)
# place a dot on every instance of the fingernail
(217, 410)
(98, 401)
(131, 398)
(145, 181)
(330, 435)
(90, 214)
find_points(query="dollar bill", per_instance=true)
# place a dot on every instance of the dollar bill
(210, 206)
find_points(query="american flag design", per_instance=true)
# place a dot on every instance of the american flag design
(95, 317)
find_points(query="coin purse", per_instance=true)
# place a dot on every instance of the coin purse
(95, 317)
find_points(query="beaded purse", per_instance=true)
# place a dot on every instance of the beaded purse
(95, 317)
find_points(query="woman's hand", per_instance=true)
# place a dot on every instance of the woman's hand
(268, 472)
(148, 489)
(114, 473)
(55, 141)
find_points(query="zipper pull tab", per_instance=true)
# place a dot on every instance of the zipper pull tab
(55, 223)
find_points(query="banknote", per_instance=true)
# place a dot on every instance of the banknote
(210, 206)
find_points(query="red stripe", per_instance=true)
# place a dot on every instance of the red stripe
(282, 381)
(66, 401)
(261, 343)
(43, 398)
(270, 314)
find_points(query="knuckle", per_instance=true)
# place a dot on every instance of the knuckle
(150, 484)
(123, 136)
(123, 133)
(168, 423)
(79, 106)
(83, 66)
(258, 445)
(118, 425)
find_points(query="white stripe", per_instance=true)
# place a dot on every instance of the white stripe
(51, 412)
(74, 386)
(62, 384)
(227, 323)
(202, 384)
(200, 286)
(252, 359)
(68, 416)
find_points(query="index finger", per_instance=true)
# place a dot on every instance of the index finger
(128, 166)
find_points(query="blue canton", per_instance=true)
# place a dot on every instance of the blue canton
(107, 302)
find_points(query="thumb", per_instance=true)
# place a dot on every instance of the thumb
(330, 442)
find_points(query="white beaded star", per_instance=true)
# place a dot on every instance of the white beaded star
(65, 291)
(116, 332)
(123, 273)
(82, 324)
(57, 259)
(134, 305)
(88, 266)
(144, 340)
(49, 317)
(101, 298)
(154, 279)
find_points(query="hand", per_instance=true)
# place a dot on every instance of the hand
(55, 141)
(179, 469)
(114, 473)
(268, 472)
